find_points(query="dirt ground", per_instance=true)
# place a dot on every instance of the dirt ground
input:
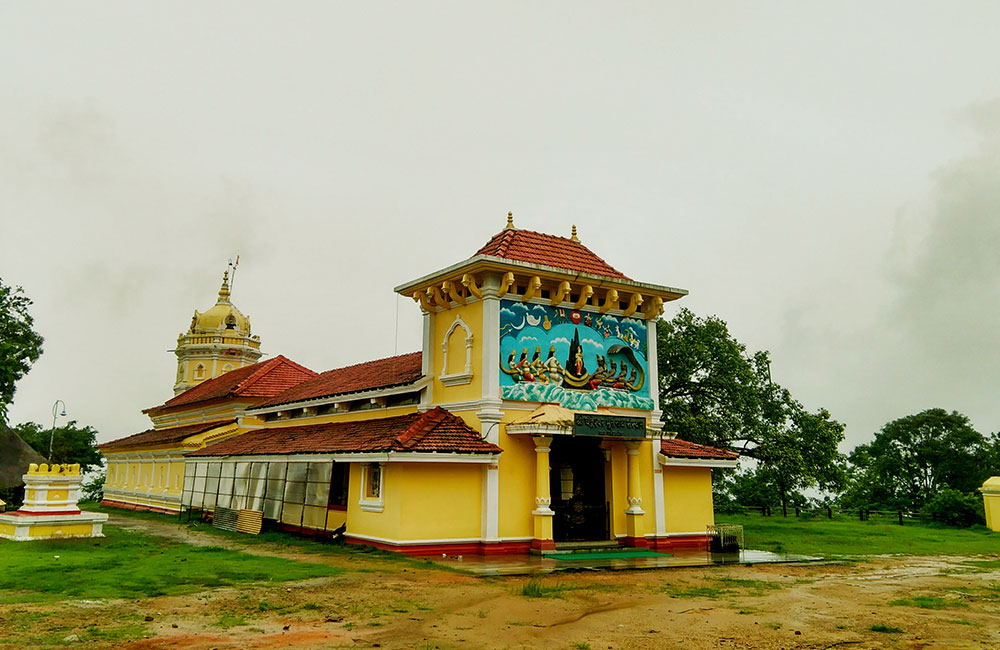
(373, 605)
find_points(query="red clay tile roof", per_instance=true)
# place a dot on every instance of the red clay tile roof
(264, 379)
(548, 250)
(162, 436)
(436, 430)
(683, 449)
(382, 373)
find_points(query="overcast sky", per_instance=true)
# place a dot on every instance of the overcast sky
(823, 176)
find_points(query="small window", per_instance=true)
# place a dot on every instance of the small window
(230, 322)
(199, 371)
(371, 488)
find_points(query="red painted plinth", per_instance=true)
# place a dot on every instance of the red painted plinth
(133, 506)
(23, 513)
(505, 548)
(543, 545)
(458, 548)
(637, 542)
(671, 543)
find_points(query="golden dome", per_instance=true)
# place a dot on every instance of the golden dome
(223, 316)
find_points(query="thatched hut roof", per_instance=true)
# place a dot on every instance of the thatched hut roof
(15, 456)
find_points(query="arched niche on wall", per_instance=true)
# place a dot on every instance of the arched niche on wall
(454, 376)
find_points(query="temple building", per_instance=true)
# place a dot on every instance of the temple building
(216, 342)
(529, 418)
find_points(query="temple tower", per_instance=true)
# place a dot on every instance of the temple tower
(217, 341)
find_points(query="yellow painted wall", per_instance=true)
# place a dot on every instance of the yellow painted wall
(420, 501)
(335, 519)
(517, 483)
(472, 315)
(7, 529)
(176, 478)
(440, 500)
(646, 483)
(64, 530)
(687, 496)
(383, 524)
(618, 498)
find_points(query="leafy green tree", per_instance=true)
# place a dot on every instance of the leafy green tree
(70, 444)
(713, 392)
(912, 459)
(20, 345)
(956, 508)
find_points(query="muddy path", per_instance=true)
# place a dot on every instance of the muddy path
(882, 602)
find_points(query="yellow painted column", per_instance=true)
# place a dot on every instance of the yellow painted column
(634, 531)
(543, 497)
(991, 502)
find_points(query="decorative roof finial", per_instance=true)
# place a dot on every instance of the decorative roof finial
(573, 236)
(510, 221)
(224, 290)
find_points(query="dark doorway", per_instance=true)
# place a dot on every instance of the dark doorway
(576, 481)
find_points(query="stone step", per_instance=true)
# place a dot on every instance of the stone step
(600, 546)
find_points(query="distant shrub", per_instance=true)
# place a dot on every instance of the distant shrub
(92, 489)
(956, 508)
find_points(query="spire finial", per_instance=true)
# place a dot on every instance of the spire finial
(573, 236)
(510, 221)
(224, 290)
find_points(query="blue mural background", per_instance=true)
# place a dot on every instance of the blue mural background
(527, 334)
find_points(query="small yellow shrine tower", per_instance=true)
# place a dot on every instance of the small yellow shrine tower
(216, 342)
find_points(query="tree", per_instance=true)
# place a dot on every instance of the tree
(20, 345)
(913, 459)
(70, 444)
(713, 392)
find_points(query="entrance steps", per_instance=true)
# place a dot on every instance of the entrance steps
(600, 546)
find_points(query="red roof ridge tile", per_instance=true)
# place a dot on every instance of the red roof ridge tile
(414, 433)
(678, 448)
(237, 382)
(390, 371)
(280, 360)
(372, 361)
(504, 245)
(434, 431)
(164, 435)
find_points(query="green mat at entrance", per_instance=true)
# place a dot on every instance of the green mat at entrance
(611, 555)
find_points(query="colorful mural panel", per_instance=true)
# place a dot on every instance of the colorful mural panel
(578, 359)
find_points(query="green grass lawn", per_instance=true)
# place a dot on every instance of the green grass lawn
(127, 564)
(849, 538)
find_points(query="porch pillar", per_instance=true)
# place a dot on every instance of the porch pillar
(634, 531)
(543, 498)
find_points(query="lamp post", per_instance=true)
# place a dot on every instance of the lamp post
(55, 412)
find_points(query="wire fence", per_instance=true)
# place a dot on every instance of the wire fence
(899, 517)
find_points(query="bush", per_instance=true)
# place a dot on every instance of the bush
(956, 508)
(93, 488)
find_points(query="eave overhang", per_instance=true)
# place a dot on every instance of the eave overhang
(488, 263)
(670, 461)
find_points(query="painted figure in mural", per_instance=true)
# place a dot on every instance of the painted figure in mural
(552, 369)
(622, 376)
(612, 370)
(598, 375)
(524, 367)
(538, 367)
